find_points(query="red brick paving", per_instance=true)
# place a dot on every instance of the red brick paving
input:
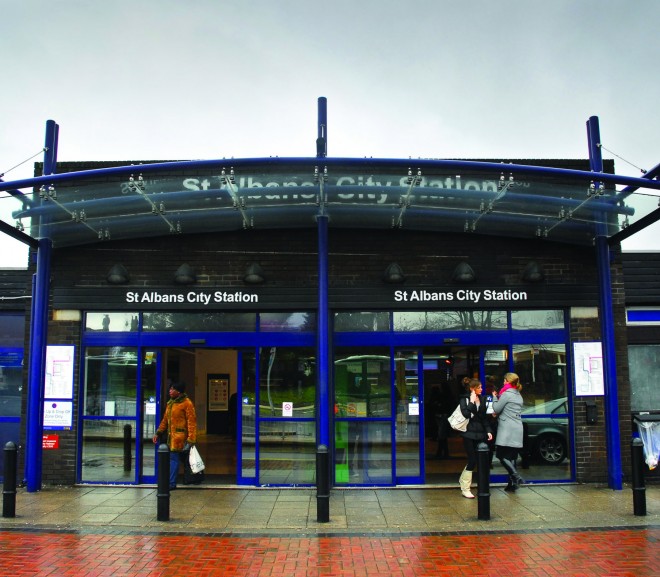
(602, 553)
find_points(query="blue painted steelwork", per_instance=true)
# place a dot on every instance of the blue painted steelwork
(322, 139)
(614, 470)
(37, 366)
(50, 154)
(323, 347)
(372, 163)
(39, 336)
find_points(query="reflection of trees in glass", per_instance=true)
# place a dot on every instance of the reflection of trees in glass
(362, 321)
(450, 320)
(287, 321)
(286, 375)
(208, 321)
(537, 319)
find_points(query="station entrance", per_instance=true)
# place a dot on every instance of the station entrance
(257, 411)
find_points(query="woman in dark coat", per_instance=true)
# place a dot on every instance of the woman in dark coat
(509, 440)
(473, 407)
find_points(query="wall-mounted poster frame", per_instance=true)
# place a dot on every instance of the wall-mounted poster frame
(59, 372)
(588, 365)
(218, 392)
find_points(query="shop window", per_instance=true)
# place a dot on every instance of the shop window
(211, 321)
(545, 319)
(362, 322)
(12, 327)
(644, 364)
(112, 322)
(467, 320)
(284, 322)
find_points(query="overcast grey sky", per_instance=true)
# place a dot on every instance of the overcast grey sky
(200, 79)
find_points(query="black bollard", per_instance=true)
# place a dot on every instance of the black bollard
(9, 486)
(639, 488)
(163, 495)
(128, 457)
(483, 485)
(322, 485)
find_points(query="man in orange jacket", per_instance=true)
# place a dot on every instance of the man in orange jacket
(180, 422)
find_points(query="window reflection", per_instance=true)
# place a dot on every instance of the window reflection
(362, 321)
(110, 382)
(112, 322)
(287, 382)
(467, 320)
(284, 322)
(200, 322)
(546, 319)
(363, 383)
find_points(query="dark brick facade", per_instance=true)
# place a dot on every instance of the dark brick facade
(357, 260)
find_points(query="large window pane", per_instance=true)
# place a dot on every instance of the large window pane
(108, 451)
(542, 371)
(407, 413)
(363, 382)
(287, 322)
(110, 382)
(546, 419)
(450, 321)
(644, 364)
(287, 452)
(526, 320)
(247, 411)
(287, 382)
(362, 322)
(111, 322)
(363, 452)
(199, 322)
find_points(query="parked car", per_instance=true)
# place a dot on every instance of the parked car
(548, 432)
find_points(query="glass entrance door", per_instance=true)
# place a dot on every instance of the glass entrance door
(149, 421)
(409, 443)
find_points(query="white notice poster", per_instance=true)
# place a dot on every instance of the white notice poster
(589, 376)
(59, 372)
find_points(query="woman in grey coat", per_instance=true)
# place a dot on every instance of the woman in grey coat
(509, 439)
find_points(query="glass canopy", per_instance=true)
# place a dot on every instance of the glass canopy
(492, 198)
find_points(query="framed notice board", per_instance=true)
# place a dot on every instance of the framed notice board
(218, 392)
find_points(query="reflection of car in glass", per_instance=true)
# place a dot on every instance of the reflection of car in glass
(548, 434)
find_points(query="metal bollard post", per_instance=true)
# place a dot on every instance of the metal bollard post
(639, 488)
(9, 486)
(483, 486)
(322, 485)
(128, 457)
(163, 495)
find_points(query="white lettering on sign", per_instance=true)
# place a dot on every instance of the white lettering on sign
(463, 295)
(217, 183)
(202, 298)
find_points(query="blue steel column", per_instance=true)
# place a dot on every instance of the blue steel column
(39, 336)
(613, 437)
(37, 367)
(323, 335)
(323, 344)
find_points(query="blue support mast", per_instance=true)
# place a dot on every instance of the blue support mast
(613, 437)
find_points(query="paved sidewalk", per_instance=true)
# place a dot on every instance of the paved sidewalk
(294, 511)
(566, 530)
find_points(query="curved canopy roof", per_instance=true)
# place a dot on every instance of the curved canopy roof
(524, 199)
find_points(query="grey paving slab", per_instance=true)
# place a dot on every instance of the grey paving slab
(214, 510)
